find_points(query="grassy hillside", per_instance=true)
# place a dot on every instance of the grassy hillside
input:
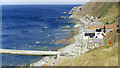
(119, 12)
(110, 16)
(107, 12)
(106, 55)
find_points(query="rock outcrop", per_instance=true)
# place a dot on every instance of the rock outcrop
(63, 17)
(67, 26)
(75, 9)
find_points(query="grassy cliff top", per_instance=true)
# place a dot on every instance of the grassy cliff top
(107, 12)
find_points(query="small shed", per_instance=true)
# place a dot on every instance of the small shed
(110, 26)
(118, 30)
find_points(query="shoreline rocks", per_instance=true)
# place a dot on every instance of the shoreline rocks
(77, 46)
(63, 12)
(63, 17)
(75, 9)
(73, 49)
(67, 26)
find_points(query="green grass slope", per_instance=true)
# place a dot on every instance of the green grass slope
(107, 12)
(106, 55)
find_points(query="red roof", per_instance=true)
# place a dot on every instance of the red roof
(103, 35)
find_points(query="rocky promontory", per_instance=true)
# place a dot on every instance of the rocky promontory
(75, 9)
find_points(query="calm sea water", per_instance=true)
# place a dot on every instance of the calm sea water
(24, 25)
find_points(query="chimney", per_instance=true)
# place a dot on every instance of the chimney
(104, 29)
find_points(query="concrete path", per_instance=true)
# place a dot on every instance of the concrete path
(28, 52)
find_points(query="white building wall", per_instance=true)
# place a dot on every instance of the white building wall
(99, 35)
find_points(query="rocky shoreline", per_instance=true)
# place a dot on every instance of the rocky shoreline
(72, 50)
(68, 51)
(76, 48)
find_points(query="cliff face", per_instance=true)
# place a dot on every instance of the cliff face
(107, 12)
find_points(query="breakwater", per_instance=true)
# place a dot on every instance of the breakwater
(28, 52)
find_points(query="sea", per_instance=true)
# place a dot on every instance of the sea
(33, 27)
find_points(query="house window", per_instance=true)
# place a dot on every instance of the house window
(91, 35)
(98, 33)
(96, 37)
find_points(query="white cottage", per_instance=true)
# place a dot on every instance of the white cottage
(99, 34)
(93, 33)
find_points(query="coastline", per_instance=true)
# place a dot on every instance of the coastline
(81, 42)
(79, 47)
(69, 51)
(74, 49)
(71, 45)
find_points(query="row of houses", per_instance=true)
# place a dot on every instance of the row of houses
(109, 26)
(96, 34)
